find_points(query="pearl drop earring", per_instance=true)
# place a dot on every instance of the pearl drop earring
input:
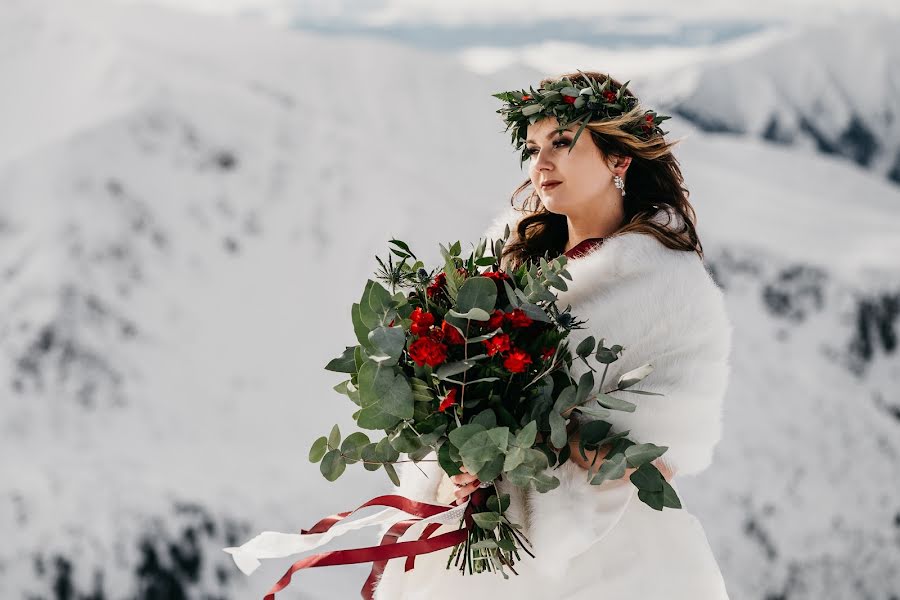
(619, 183)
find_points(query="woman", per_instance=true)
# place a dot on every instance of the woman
(613, 201)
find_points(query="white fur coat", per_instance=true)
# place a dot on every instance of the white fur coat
(602, 542)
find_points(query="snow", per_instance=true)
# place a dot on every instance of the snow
(190, 205)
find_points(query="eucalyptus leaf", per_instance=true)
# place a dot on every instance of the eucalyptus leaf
(332, 465)
(486, 520)
(655, 500)
(558, 434)
(461, 435)
(344, 363)
(634, 376)
(639, 454)
(647, 477)
(392, 474)
(614, 403)
(474, 314)
(586, 346)
(318, 449)
(477, 292)
(334, 438)
(670, 498)
(612, 468)
(353, 444)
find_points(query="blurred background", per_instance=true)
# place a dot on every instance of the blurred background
(192, 193)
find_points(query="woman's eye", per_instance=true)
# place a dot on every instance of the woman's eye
(531, 151)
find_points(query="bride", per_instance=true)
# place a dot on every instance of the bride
(613, 201)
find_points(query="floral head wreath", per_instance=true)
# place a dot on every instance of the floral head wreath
(573, 103)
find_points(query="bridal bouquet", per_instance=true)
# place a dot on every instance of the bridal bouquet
(472, 363)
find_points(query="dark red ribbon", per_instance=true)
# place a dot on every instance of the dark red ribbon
(388, 548)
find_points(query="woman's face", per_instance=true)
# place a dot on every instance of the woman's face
(585, 179)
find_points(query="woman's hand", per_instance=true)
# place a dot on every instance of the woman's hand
(465, 485)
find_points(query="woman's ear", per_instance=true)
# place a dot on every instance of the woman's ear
(620, 164)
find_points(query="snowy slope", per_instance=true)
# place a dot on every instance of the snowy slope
(832, 88)
(189, 206)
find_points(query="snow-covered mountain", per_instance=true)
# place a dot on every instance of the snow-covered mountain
(831, 88)
(188, 207)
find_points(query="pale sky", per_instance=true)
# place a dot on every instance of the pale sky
(458, 12)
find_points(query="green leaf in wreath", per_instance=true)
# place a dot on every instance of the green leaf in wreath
(566, 400)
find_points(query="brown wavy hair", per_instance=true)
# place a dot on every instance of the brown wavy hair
(653, 182)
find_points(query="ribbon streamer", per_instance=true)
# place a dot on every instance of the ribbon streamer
(272, 544)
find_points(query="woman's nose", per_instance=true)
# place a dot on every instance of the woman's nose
(543, 162)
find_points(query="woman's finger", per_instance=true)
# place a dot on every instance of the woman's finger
(462, 479)
(464, 492)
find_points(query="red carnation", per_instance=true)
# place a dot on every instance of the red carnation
(526, 97)
(451, 335)
(569, 99)
(421, 321)
(496, 320)
(427, 351)
(610, 96)
(548, 353)
(440, 281)
(495, 275)
(496, 344)
(649, 117)
(448, 401)
(517, 361)
(518, 318)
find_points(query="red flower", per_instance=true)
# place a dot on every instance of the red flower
(495, 275)
(440, 281)
(610, 96)
(649, 118)
(496, 344)
(448, 400)
(496, 319)
(526, 97)
(421, 321)
(569, 99)
(517, 361)
(548, 353)
(427, 351)
(451, 335)
(518, 318)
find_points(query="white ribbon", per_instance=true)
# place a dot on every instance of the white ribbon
(272, 544)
